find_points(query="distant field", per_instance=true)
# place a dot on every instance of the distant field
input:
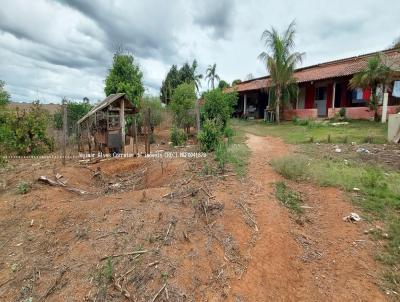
(315, 131)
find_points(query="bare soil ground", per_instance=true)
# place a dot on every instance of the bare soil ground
(156, 230)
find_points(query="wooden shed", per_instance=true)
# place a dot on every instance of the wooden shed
(103, 127)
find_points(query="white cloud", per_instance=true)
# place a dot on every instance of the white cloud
(54, 49)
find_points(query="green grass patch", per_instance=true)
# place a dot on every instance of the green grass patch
(305, 131)
(289, 198)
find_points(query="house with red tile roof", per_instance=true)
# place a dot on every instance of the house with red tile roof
(323, 90)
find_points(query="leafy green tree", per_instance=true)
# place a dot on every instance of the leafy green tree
(188, 74)
(235, 82)
(4, 95)
(219, 106)
(172, 80)
(374, 74)
(281, 61)
(223, 84)
(125, 76)
(211, 75)
(182, 105)
(156, 112)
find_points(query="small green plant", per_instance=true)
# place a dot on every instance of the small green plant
(23, 187)
(229, 133)
(368, 140)
(178, 137)
(108, 270)
(291, 167)
(221, 156)
(289, 198)
(3, 162)
(210, 136)
(164, 276)
(342, 112)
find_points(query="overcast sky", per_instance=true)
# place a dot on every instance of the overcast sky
(54, 49)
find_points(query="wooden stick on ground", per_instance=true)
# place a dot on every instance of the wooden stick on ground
(159, 292)
(125, 254)
(250, 217)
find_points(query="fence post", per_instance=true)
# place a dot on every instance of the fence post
(148, 132)
(64, 136)
(197, 108)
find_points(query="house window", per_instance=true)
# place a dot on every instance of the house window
(301, 98)
(320, 93)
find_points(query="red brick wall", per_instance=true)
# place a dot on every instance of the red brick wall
(361, 113)
(300, 113)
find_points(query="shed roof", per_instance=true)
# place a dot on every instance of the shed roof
(103, 104)
(322, 71)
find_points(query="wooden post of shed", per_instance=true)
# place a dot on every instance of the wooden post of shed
(122, 123)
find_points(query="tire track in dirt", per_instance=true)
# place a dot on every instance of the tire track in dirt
(345, 270)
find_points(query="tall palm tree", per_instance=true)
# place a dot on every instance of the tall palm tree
(281, 61)
(375, 73)
(196, 77)
(211, 75)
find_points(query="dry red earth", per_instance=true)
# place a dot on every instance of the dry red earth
(203, 237)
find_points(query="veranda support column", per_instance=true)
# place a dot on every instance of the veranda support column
(384, 106)
(333, 95)
(245, 104)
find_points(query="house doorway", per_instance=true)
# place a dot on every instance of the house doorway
(321, 100)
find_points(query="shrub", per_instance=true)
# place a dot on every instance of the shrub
(209, 136)
(218, 106)
(178, 137)
(25, 132)
(182, 105)
(229, 133)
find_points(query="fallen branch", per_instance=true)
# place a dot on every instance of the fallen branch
(250, 216)
(153, 263)
(53, 287)
(125, 254)
(169, 229)
(208, 194)
(59, 183)
(113, 233)
(205, 211)
(159, 292)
